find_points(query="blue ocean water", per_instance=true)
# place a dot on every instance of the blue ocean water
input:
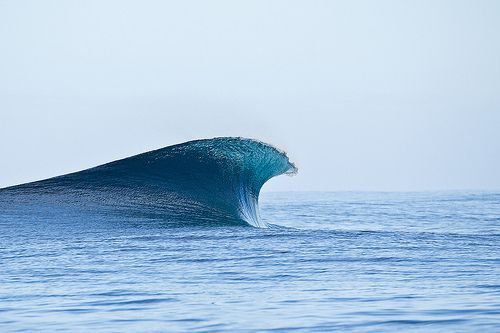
(128, 247)
(330, 261)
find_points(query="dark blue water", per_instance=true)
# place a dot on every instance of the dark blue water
(328, 262)
(172, 240)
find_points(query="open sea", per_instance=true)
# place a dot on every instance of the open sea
(361, 262)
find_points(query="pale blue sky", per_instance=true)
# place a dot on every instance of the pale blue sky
(364, 95)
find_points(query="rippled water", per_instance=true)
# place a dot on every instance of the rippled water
(331, 261)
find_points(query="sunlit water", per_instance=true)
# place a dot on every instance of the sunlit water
(331, 261)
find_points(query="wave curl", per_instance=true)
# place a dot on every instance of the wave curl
(203, 181)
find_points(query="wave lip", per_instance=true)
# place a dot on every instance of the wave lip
(208, 181)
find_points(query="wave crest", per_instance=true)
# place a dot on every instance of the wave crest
(204, 181)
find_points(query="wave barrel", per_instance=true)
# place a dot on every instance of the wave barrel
(210, 181)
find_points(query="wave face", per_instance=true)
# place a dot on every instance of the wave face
(209, 181)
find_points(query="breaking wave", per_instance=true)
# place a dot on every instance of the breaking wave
(209, 181)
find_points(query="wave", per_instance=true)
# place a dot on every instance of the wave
(203, 181)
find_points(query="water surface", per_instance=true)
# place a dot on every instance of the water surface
(329, 261)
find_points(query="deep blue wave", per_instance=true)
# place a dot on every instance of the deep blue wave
(204, 181)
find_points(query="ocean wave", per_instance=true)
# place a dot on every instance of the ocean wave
(209, 181)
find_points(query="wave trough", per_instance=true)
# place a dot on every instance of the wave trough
(209, 181)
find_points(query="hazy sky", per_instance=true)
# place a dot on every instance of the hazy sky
(364, 95)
